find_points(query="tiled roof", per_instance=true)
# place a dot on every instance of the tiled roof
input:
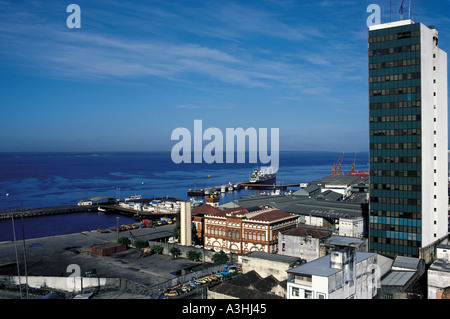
(246, 280)
(305, 232)
(272, 215)
(266, 284)
(228, 289)
(206, 209)
(249, 286)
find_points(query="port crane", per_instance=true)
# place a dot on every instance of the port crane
(353, 165)
(337, 166)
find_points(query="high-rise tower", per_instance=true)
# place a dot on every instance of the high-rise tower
(408, 138)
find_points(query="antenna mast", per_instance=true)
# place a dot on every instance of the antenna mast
(401, 11)
(409, 12)
(390, 10)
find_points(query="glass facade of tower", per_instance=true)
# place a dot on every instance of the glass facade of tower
(395, 140)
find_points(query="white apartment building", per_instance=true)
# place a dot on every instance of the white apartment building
(344, 274)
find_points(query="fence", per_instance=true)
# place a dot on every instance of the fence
(206, 254)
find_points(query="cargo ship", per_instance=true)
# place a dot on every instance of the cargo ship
(265, 175)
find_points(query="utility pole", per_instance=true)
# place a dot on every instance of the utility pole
(117, 228)
(24, 251)
(17, 257)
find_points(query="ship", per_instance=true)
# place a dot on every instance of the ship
(195, 192)
(133, 198)
(265, 175)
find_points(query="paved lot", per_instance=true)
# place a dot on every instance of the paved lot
(50, 256)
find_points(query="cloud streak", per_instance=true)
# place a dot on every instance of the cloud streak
(90, 54)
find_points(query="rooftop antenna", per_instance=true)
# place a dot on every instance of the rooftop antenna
(390, 10)
(401, 11)
(409, 11)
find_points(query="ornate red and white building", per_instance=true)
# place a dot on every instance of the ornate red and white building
(244, 231)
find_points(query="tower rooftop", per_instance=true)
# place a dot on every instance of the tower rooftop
(390, 24)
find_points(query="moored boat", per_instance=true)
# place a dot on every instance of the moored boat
(265, 175)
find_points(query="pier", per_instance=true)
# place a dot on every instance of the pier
(54, 210)
(235, 187)
(281, 186)
(131, 212)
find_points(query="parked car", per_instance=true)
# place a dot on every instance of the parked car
(213, 277)
(186, 288)
(192, 284)
(200, 281)
(171, 293)
(125, 227)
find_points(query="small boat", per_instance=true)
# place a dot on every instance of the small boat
(133, 197)
(193, 192)
(100, 229)
(101, 209)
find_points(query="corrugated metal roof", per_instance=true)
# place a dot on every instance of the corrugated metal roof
(305, 206)
(397, 278)
(344, 240)
(321, 267)
(273, 257)
(318, 267)
(402, 262)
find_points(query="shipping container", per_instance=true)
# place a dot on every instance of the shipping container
(108, 249)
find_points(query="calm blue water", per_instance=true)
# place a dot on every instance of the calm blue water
(50, 179)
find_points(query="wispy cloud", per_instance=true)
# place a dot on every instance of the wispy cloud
(203, 107)
(96, 53)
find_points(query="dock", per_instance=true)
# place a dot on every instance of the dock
(243, 184)
(281, 186)
(43, 211)
(131, 212)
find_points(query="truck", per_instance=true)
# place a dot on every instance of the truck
(147, 222)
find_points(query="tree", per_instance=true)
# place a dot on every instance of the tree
(157, 249)
(124, 241)
(219, 258)
(140, 243)
(176, 230)
(194, 255)
(175, 251)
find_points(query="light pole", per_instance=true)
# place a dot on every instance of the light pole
(117, 228)
(231, 252)
(24, 251)
(17, 258)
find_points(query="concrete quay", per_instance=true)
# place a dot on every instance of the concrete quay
(52, 256)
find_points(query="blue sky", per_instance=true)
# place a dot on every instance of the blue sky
(137, 70)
